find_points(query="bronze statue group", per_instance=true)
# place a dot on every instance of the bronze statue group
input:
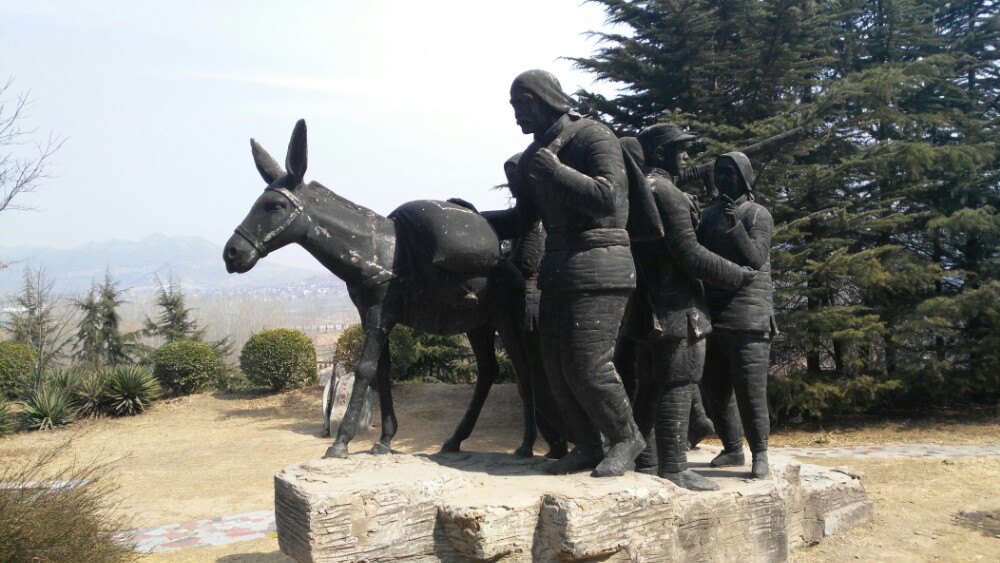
(630, 316)
(652, 316)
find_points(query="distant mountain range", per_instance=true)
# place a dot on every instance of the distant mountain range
(194, 262)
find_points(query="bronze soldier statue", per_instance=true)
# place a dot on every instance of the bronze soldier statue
(739, 229)
(573, 178)
(669, 306)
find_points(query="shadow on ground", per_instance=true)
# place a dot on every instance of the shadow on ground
(272, 557)
(986, 522)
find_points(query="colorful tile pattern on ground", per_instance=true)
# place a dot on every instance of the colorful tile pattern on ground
(254, 525)
(202, 533)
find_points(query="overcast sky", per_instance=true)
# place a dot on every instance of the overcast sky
(157, 100)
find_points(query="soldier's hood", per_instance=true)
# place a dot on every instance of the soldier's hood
(743, 166)
(546, 86)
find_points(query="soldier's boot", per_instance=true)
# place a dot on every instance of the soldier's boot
(580, 458)
(730, 459)
(690, 480)
(760, 468)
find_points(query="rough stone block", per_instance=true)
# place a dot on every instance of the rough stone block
(495, 507)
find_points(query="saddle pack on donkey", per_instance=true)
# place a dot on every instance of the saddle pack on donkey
(451, 248)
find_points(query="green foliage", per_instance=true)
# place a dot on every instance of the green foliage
(279, 359)
(826, 397)
(442, 358)
(99, 340)
(348, 349)
(129, 389)
(886, 251)
(90, 394)
(48, 406)
(402, 349)
(39, 320)
(17, 365)
(65, 524)
(176, 321)
(185, 366)
(6, 418)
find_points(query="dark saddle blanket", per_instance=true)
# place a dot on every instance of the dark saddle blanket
(452, 249)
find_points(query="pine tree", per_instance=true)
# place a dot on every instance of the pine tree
(99, 337)
(885, 256)
(176, 321)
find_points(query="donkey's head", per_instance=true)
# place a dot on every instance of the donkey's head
(275, 218)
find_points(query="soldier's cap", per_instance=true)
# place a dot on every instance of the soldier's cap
(546, 86)
(662, 134)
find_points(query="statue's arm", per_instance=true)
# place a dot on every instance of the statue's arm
(593, 193)
(514, 222)
(703, 171)
(682, 243)
(754, 243)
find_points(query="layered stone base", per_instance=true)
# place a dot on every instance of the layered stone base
(495, 507)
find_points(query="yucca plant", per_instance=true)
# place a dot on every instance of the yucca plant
(47, 406)
(91, 393)
(64, 378)
(130, 389)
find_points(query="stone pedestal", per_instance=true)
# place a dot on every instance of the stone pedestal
(494, 507)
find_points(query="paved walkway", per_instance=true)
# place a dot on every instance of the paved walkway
(254, 525)
(893, 450)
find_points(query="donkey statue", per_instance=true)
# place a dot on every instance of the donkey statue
(381, 268)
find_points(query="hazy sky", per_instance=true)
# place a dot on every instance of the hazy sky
(404, 100)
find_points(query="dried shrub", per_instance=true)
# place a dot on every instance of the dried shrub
(53, 523)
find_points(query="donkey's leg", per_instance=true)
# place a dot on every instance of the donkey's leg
(513, 341)
(481, 339)
(385, 404)
(376, 338)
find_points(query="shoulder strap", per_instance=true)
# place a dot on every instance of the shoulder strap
(567, 133)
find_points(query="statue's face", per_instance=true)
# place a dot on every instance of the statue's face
(529, 112)
(727, 179)
(670, 157)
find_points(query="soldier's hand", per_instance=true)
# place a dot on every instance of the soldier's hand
(543, 164)
(463, 203)
(749, 274)
(730, 211)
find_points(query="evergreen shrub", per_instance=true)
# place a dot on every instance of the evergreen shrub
(17, 363)
(279, 359)
(819, 397)
(185, 366)
(6, 419)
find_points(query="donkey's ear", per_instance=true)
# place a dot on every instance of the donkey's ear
(295, 161)
(269, 168)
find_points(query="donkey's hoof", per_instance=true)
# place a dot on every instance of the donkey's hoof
(378, 448)
(337, 450)
(524, 451)
(451, 445)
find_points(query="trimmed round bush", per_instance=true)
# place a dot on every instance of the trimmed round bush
(185, 366)
(17, 363)
(279, 359)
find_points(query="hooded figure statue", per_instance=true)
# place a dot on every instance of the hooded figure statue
(573, 177)
(739, 229)
(670, 318)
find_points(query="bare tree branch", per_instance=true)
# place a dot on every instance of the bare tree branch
(24, 162)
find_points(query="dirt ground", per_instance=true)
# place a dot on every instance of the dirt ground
(215, 454)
